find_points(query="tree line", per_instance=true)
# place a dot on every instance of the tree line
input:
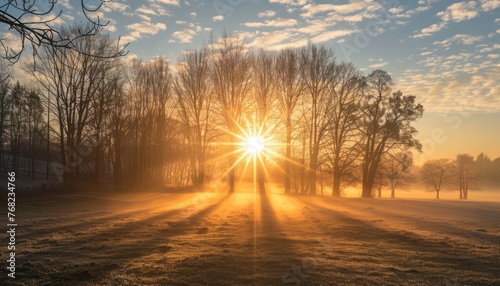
(156, 122)
(463, 174)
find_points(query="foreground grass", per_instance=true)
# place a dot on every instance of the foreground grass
(156, 238)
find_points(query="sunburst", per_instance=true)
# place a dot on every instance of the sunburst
(254, 146)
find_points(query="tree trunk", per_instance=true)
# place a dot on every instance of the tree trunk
(232, 171)
(313, 165)
(97, 162)
(118, 165)
(288, 154)
(201, 175)
(368, 181)
(366, 191)
(312, 182)
(231, 180)
(393, 188)
(261, 177)
(369, 174)
(336, 182)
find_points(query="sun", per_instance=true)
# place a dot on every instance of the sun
(254, 144)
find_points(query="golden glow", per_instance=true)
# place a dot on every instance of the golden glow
(254, 147)
(254, 144)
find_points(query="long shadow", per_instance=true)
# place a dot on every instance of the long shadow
(99, 254)
(277, 254)
(439, 227)
(85, 222)
(150, 224)
(378, 245)
(87, 209)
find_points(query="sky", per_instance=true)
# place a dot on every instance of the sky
(447, 53)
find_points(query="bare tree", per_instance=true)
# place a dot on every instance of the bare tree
(397, 170)
(344, 135)
(230, 75)
(289, 89)
(317, 70)
(386, 124)
(264, 97)
(16, 119)
(4, 110)
(194, 97)
(74, 80)
(33, 110)
(465, 176)
(111, 79)
(35, 24)
(118, 120)
(435, 174)
(152, 118)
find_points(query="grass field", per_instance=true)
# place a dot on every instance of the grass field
(159, 238)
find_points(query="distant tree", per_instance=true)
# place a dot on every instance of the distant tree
(397, 170)
(484, 167)
(385, 124)
(436, 174)
(495, 169)
(465, 174)
(35, 24)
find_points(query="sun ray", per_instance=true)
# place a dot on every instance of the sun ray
(254, 144)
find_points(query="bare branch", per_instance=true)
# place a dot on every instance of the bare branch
(43, 31)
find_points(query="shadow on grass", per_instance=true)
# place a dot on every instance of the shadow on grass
(476, 235)
(411, 256)
(91, 255)
(276, 255)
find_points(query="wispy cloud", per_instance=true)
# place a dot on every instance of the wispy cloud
(330, 35)
(268, 13)
(379, 65)
(168, 2)
(456, 12)
(183, 36)
(289, 2)
(273, 23)
(140, 28)
(112, 6)
(488, 5)
(459, 38)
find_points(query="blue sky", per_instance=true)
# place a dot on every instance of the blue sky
(445, 52)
